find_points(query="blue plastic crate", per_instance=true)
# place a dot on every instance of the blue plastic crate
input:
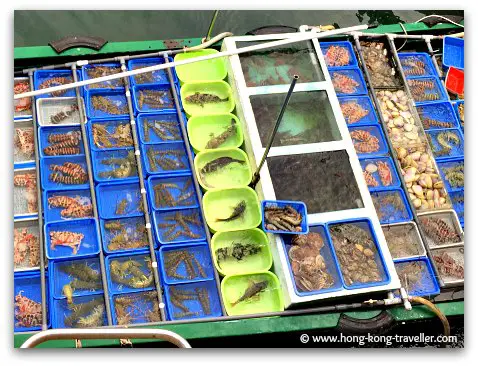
(364, 102)
(116, 97)
(202, 257)
(453, 53)
(47, 133)
(411, 64)
(329, 260)
(114, 165)
(179, 187)
(111, 84)
(130, 231)
(51, 204)
(300, 207)
(457, 114)
(167, 219)
(41, 76)
(391, 206)
(111, 195)
(154, 77)
(194, 305)
(142, 307)
(378, 256)
(179, 162)
(446, 168)
(437, 115)
(458, 200)
(171, 133)
(59, 277)
(47, 165)
(143, 264)
(352, 73)
(391, 180)
(425, 285)
(110, 125)
(432, 86)
(361, 145)
(324, 46)
(166, 100)
(89, 244)
(457, 149)
(62, 312)
(27, 284)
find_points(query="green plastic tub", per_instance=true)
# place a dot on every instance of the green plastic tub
(220, 203)
(220, 89)
(258, 262)
(232, 175)
(268, 300)
(209, 70)
(203, 128)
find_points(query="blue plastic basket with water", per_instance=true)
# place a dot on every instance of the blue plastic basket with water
(364, 102)
(435, 93)
(454, 181)
(179, 188)
(194, 306)
(27, 284)
(353, 73)
(132, 234)
(362, 147)
(458, 200)
(331, 265)
(391, 206)
(107, 169)
(165, 100)
(202, 267)
(61, 311)
(42, 76)
(437, 116)
(89, 245)
(174, 153)
(46, 169)
(453, 53)
(457, 113)
(110, 125)
(300, 207)
(324, 46)
(115, 97)
(154, 77)
(53, 213)
(111, 84)
(456, 145)
(411, 64)
(163, 221)
(425, 285)
(142, 307)
(118, 199)
(45, 133)
(388, 180)
(171, 130)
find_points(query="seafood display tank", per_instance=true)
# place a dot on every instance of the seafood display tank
(135, 203)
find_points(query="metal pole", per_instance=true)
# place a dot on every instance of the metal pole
(211, 25)
(257, 175)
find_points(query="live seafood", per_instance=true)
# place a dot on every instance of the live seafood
(165, 130)
(64, 114)
(130, 308)
(179, 297)
(24, 141)
(82, 311)
(81, 271)
(95, 319)
(423, 90)
(179, 224)
(29, 182)
(353, 112)
(204, 98)
(121, 167)
(216, 164)
(169, 159)
(24, 104)
(369, 179)
(132, 273)
(461, 112)
(364, 141)
(216, 141)
(433, 123)
(343, 83)
(56, 81)
(126, 236)
(449, 266)
(446, 140)
(173, 259)
(94, 72)
(237, 251)
(28, 313)
(120, 137)
(254, 289)
(337, 56)
(282, 218)
(403, 240)
(155, 98)
(108, 106)
(413, 66)
(67, 239)
(164, 197)
(377, 62)
(73, 207)
(69, 144)
(411, 274)
(389, 206)
(439, 231)
(455, 175)
(384, 173)
(237, 212)
(68, 173)
(25, 244)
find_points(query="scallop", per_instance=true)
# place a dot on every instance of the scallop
(371, 168)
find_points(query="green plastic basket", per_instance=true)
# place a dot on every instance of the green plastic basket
(220, 89)
(209, 70)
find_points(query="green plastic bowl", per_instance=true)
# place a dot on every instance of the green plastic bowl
(204, 127)
(259, 262)
(218, 88)
(231, 176)
(209, 70)
(269, 300)
(219, 203)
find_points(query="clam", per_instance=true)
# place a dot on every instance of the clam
(371, 168)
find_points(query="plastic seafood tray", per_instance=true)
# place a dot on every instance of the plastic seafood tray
(380, 173)
(25, 192)
(458, 201)
(67, 205)
(355, 239)
(427, 89)
(154, 98)
(348, 81)
(64, 172)
(296, 205)
(404, 240)
(27, 287)
(165, 158)
(113, 165)
(441, 228)
(391, 206)
(358, 110)
(129, 273)
(83, 276)
(453, 174)
(200, 98)
(417, 277)
(26, 244)
(169, 230)
(89, 72)
(124, 235)
(310, 248)
(49, 78)
(203, 300)
(111, 134)
(457, 113)
(175, 192)
(416, 64)
(437, 116)
(60, 141)
(133, 308)
(58, 111)
(154, 77)
(116, 200)
(106, 104)
(368, 140)
(22, 107)
(453, 53)
(71, 239)
(23, 143)
(159, 127)
(450, 264)
(185, 263)
(338, 54)
(447, 143)
(65, 315)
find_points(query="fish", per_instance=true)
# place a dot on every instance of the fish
(203, 98)
(216, 141)
(253, 289)
(238, 211)
(215, 165)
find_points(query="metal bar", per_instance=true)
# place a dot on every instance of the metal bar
(182, 125)
(91, 182)
(433, 56)
(139, 163)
